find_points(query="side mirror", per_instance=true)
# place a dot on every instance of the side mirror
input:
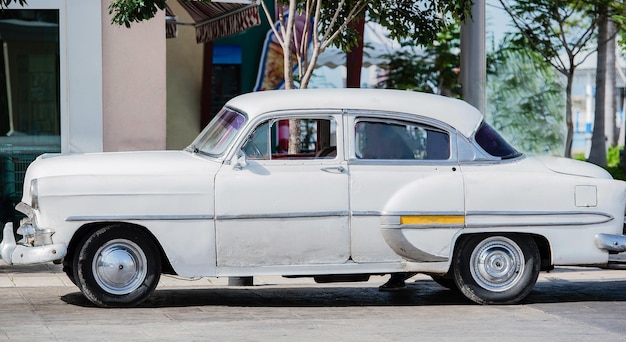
(240, 160)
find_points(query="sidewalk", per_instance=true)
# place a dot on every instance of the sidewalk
(50, 275)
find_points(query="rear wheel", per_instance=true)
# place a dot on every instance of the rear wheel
(117, 266)
(496, 269)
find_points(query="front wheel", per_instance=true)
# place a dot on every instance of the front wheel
(496, 269)
(117, 266)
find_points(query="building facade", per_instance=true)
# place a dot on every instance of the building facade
(72, 82)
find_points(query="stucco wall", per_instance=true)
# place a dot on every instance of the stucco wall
(184, 83)
(134, 84)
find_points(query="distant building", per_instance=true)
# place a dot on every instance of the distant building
(583, 103)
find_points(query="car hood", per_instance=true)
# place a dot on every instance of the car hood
(169, 171)
(572, 167)
(120, 163)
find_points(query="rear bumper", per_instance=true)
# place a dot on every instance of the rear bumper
(611, 242)
(23, 254)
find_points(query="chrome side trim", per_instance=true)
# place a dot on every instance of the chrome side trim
(407, 162)
(206, 217)
(536, 218)
(405, 213)
(282, 215)
(367, 213)
(389, 219)
(139, 218)
(519, 213)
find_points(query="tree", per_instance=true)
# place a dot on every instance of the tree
(611, 86)
(597, 154)
(433, 69)
(318, 34)
(560, 32)
(608, 18)
(525, 100)
(525, 96)
(417, 20)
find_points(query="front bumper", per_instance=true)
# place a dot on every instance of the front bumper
(22, 254)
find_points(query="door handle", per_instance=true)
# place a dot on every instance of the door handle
(334, 169)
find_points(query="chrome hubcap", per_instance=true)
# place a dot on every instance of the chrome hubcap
(120, 266)
(497, 264)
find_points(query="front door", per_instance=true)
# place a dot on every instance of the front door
(288, 205)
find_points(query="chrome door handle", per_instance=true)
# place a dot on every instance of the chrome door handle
(334, 169)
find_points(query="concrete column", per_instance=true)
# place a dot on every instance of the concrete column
(473, 57)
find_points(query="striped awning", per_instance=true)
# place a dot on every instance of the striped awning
(221, 18)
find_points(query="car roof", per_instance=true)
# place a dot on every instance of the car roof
(456, 113)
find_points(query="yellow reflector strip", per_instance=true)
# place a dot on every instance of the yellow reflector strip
(433, 219)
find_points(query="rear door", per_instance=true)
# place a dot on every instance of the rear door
(406, 190)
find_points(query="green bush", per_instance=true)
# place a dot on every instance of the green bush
(614, 165)
(612, 156)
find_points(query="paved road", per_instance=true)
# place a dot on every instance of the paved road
(568, 304)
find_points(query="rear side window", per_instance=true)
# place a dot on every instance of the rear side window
(400, 141)
(493, 143)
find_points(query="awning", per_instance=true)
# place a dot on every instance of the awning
(221, 18)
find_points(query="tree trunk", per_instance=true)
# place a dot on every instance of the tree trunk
(597, 155)
(568, 115)
(294, 125)
(354, 58)
(610, 110)
(288, 43)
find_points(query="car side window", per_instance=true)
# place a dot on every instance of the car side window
(257, 146)
(302, 138)
(400, 141)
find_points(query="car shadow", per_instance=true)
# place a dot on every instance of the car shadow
(418, 293)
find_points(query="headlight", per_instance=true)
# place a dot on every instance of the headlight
(34, 194)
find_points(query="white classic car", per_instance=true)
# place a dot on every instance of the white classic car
(327, 183)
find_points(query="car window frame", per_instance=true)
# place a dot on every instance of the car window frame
(353, 117)
(336, 115)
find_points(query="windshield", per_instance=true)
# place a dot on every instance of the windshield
(493, 143)
(219, 133)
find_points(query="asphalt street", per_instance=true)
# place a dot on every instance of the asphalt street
(568, 304)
